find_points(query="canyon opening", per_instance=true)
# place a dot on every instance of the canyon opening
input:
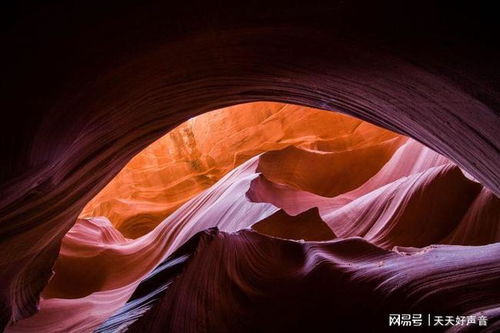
(235, 187)
(238, 166)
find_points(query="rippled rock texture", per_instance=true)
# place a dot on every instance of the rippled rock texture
(374, 197)
(256, 283)
(87, 85)
(199, 152)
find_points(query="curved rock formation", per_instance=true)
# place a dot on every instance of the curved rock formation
(87, 85)
(196, 154)
(386, 211)
(248, 282)
(106, 273)
(340, 171)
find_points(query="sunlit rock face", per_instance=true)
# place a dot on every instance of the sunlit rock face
(200, 151)
(347, 216)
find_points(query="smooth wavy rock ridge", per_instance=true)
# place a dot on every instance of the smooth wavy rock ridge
(293, 238)
(249, 282)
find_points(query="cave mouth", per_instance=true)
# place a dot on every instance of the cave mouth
(327, 159)
(289, 173)
(199, 152)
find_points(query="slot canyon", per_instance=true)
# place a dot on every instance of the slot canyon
(250, 167)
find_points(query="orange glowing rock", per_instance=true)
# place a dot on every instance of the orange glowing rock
(199, 152)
